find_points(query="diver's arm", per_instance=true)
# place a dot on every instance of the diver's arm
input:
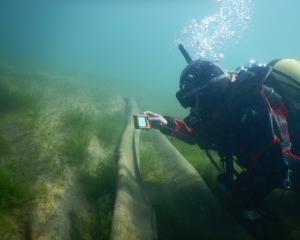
(156, 120)
(171, 126)
(178, 129)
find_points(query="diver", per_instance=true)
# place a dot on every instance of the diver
(242, 118)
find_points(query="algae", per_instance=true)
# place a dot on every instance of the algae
(57, 156)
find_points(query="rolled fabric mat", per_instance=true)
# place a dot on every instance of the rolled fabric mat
(204, 216)
(133, 216)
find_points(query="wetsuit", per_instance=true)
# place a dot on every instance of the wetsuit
(241, 124)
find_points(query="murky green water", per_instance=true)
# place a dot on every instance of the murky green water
(130, 44)
(64, 66)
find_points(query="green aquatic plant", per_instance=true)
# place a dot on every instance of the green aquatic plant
(78, 126)
(48, 127)
(15, 191)
(150, 166)
(13, 100)
(16, 197)
(99, 189)
(108, 128)
(5, 146)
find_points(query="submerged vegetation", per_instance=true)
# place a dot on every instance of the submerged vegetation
(58, 140)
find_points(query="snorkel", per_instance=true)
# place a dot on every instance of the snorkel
(201, 76)
(185, 53)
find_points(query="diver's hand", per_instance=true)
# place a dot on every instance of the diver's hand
(156, 121)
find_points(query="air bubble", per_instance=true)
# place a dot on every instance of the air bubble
(208, 37)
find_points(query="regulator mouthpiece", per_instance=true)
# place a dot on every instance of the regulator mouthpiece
(185, 53)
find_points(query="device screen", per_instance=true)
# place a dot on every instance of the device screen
(142, 122)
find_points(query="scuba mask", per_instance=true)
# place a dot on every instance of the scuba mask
(201, 78)
(187, 96)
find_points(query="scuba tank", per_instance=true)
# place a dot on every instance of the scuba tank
(285, 80)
